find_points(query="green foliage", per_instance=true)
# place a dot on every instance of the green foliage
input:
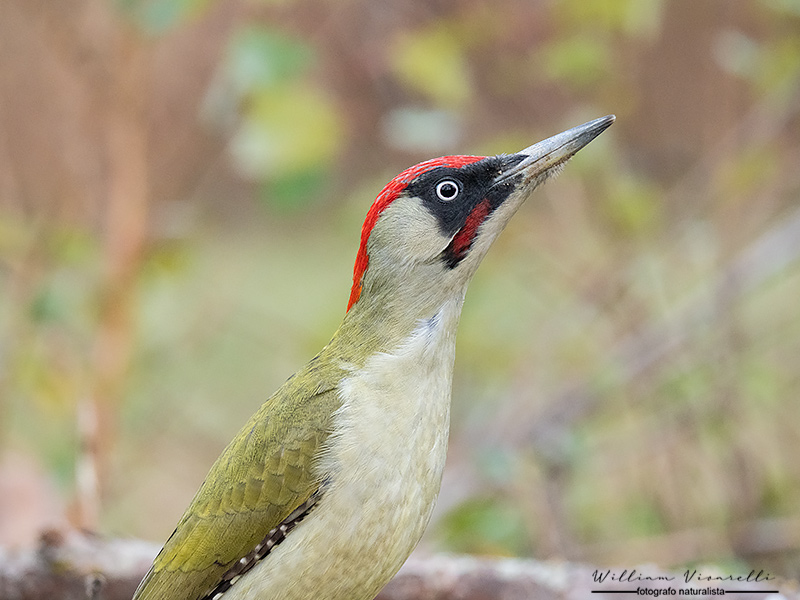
(578, 60)
(290, 130)
(779, 66)
(633, 205)
(260, 58)
(631, 17)
(583, 54)
(789, 8)
(286, 130)
(156, 17)
(484, 526)
(433, 62)
(283, 191)
(47, 312)
(748, 172)
(772, 66)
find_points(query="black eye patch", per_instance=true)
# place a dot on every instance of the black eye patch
(450, 194)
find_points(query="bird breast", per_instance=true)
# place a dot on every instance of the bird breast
(382, 465)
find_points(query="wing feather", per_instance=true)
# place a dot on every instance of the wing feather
(263, 475)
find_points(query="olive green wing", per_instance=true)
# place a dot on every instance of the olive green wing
(264, 474)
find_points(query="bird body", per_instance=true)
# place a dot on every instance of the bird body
(364, 498)
(328, 488)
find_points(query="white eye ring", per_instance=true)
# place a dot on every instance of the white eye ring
(447, 190)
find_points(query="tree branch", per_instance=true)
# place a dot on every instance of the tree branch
(77, 566)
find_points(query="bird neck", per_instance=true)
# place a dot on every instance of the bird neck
(381, 323)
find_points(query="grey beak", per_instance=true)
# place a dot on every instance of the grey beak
(554, 151)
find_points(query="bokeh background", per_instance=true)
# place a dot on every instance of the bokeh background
(182, 184)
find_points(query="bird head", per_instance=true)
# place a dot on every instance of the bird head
(430, 227)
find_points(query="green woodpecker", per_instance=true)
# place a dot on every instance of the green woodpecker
(327, 489)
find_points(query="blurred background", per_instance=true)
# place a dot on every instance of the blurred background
(182, 184)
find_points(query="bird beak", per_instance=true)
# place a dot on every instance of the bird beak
(548, 154)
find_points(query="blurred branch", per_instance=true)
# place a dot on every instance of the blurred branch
(125, 232)
(764, 122)
(76, 566)
(549, 432)
(772, 252)
(634, 356)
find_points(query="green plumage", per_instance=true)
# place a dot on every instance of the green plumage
(266, 472)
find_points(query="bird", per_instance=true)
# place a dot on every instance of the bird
(329, 486)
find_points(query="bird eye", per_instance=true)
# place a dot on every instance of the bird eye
(447, 190)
